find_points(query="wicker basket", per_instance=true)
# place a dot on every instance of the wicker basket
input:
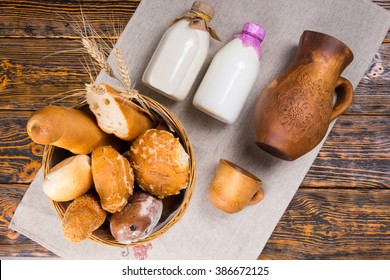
(174, 206)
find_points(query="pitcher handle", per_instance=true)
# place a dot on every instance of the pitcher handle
(344, 91)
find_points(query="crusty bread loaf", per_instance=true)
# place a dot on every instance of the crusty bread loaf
(137, 219)
(113, 177)
(114, 115)
(82, 217)
(67, 128)
(160, 163)
(69, 179)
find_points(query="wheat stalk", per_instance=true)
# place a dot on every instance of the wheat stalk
(124, 72)
(98, 50)
(93, 49)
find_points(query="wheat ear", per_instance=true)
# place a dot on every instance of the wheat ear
(129, 93)
(92, 48)
(124, 73)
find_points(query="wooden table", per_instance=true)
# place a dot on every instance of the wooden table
(342, 208)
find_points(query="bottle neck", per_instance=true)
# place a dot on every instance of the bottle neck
(201, 15)
(315, 47)
(250, 40)
(252, 35)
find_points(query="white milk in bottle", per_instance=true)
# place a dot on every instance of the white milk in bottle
(231, 75)
(181, 53)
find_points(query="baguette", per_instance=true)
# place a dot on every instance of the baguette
(67, 128)
(115, 116)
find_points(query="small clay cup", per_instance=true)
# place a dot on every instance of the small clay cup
(234, 188)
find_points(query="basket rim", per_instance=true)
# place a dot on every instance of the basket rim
(171, 120)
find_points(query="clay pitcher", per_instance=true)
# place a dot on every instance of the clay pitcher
(293, 113)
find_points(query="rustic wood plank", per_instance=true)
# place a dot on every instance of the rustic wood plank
(356, 153)
(30, 81)
(12, 243)
(318, 224)
(20, 157)
(333, 224)
(349, 218)
(27, 81)
(50, 19)
(372, 96)
(47, 19)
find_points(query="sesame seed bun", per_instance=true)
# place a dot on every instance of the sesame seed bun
(160, 163)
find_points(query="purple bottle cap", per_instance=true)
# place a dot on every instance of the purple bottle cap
(254, 30)
(251, 36)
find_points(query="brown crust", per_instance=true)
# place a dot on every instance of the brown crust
(66, 128)
(82, 217)
(141, 213)
(136, 121)
(113, 177)
(155, 157)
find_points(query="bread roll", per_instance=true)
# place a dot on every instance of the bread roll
(137, 219)
(114, 115)
(113, 177)
(82, 217)
(69, 179)
(160, 163)
(66, 128)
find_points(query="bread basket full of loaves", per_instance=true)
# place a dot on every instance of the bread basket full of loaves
(119, 167)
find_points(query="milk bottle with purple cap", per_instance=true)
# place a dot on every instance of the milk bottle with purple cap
(231, 75)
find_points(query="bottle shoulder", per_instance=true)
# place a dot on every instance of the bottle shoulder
(235, 50)
(182, 30)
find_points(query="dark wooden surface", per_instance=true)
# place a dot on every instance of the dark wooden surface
(342, 208)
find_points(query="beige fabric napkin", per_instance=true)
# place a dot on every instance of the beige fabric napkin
(205, 232)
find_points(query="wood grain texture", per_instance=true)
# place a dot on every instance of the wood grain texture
(341, 211)
(355, 155)
(53, 19)
(333, 224)
(50, 16)
(372, 96)
(28, 82)
(20, 158)
(318, 224)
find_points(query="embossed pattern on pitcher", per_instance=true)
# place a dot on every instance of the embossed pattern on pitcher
(300, 117)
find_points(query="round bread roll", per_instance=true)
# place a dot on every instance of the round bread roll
(69, 179)
(82, 217)
(113, 177)
(137, 219)
(160, 163)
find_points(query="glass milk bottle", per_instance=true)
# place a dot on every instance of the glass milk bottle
(231, 75)
(181, 53)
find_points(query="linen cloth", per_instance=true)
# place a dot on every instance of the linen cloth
(205, 232)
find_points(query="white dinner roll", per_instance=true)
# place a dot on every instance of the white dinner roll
(69, 179)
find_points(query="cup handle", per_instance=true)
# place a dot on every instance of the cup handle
(257, 197)
(344, 91)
